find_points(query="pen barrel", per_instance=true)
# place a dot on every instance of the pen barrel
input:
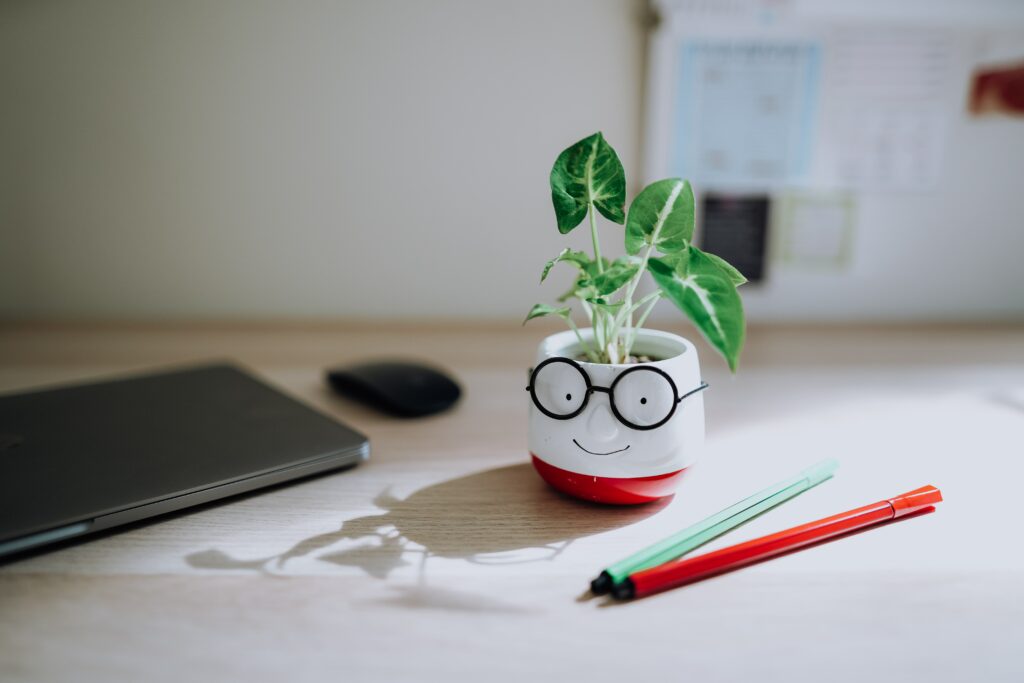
(685, 571)
(698, 534)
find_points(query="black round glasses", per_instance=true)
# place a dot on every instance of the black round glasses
(641, 397)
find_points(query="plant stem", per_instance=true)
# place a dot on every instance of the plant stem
(626, 317)
(598, 319)
(583, 344)
(640, 271)
(609, 341)
(593, 238)
(588, 311)
(593, 315)
(646, 301)
(654, 298)
(628, 308)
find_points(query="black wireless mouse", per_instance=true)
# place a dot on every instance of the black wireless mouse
(405, 389)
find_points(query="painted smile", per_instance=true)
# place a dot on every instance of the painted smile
(593, 453)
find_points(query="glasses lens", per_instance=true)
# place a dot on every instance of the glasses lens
(559, 388)
(643, 398)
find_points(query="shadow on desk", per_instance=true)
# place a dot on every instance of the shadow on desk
(503, 516)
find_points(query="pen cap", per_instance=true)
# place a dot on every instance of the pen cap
(820, 472)
(912, 501)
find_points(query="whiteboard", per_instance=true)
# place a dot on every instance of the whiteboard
(854, 114)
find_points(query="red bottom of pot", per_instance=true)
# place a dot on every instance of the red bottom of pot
(613, 490)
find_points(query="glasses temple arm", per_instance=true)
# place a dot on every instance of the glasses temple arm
(702, 387)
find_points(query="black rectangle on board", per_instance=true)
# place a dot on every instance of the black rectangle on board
(735, 227)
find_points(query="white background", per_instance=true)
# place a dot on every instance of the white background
(390, 159)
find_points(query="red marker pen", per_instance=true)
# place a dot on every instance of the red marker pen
(679, 572)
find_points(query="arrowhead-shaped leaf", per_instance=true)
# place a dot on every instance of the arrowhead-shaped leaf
(736, 276)
(540, 310)
(577, 258)
(708, 297)
(588, 172)
(662, 214)
(614, 277)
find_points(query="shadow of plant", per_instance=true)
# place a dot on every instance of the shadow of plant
(498, 516)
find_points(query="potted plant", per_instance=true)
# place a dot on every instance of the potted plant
(616, 411)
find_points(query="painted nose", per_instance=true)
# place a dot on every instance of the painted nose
(601, 424)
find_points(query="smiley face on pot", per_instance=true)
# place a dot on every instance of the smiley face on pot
(617, 421)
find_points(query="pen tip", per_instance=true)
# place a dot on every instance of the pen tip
(602, 584)
(624, 590)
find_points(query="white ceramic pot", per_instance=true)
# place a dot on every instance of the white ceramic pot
(620, 433)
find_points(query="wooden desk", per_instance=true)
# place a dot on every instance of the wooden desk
(445, 557)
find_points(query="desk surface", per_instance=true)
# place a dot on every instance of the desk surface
(445, 556)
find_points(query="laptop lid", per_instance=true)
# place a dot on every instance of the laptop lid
(81, 458)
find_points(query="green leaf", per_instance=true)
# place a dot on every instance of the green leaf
(703, 291)
(581, 289)
(588, 172)
(569, 294)
(541, 310)
(614, 277)
(605, 305)
(662, 214)
(593, 270)
(734, 275)
(577, 258)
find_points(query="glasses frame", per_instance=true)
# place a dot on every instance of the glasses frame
(610, 390)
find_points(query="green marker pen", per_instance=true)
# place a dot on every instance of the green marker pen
(700, 533)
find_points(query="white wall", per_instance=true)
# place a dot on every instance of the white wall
(298, 158)
(383, 159)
